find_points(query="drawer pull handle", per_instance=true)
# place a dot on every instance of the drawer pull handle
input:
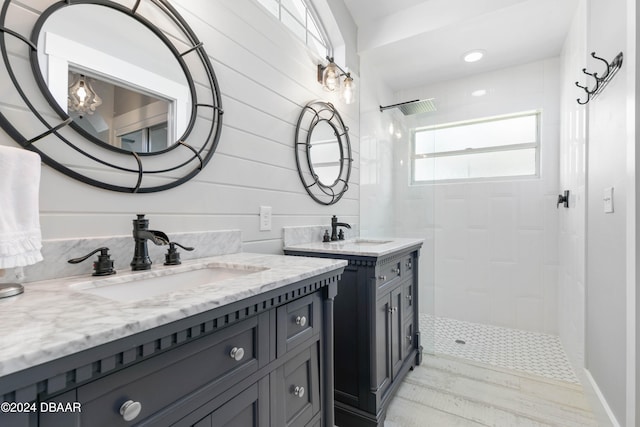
(395, 270)
(382, 277)
(298, 391)
(301, 320)
(130, 410)
(237, 353)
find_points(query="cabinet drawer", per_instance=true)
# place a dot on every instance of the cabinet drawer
(297, 389)
(222, 359)
(387, 273)
(297, 321)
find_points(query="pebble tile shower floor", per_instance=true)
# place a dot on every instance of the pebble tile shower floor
(530, 352)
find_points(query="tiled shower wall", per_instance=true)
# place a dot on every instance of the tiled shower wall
(571, 273)
(495, 253)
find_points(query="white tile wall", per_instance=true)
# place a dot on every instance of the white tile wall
(377, 161)
(571, 231)
(494, 254)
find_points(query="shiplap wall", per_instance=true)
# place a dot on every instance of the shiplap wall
(266, 76)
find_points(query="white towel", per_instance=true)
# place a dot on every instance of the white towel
(20, 237)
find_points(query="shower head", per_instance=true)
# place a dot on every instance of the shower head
(413, 107)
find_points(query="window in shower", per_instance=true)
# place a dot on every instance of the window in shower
(493, 147)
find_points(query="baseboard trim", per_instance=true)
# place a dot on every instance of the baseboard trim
(604, 409)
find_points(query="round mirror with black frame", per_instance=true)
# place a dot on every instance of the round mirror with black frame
(169, 112)
(323, 152)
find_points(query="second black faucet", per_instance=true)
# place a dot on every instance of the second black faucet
(334, 229)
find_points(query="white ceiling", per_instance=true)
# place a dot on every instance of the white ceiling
(420, 42)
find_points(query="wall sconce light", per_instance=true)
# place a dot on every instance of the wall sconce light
(329, 76)
(82, 98)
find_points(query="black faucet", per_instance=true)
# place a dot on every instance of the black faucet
(334, 228)
(141, 234)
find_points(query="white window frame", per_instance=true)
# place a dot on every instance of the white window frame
(500, 148)
(311, 14)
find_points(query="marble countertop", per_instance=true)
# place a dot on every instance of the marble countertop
(54, 318)
(374, 247)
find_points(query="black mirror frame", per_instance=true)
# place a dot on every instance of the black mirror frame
(197, 155)
(313, 113)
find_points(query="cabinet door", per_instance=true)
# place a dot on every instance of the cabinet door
(397, 343)
(407, 337)
(247, 409)
(382, 330)
(296, 393)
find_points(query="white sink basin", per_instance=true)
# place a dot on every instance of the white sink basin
(143, 285)
(371, 241)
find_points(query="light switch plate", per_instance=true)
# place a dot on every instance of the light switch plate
(265, 218)
(608, 200)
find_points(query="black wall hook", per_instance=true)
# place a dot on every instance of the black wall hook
(600, 80)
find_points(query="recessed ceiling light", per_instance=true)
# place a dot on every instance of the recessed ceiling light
(473, 56)
(479, 92)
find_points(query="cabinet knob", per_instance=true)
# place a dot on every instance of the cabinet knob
(395, 270)
(408, 264)
(298, 391)
(409, 297)
(393, 309)
(301, 320)
(409, 338)
(237, 353)
(381, 277)
(130, 410)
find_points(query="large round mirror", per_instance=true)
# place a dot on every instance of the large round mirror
(128, 100)
(128, 92)
(323, 152)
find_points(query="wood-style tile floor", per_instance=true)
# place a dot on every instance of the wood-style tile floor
(447, 392)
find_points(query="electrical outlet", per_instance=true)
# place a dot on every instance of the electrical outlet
(265, 218)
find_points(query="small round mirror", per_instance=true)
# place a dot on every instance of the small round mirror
(127, 91)
(323, 152)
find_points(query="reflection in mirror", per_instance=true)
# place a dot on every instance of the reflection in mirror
(146, 103)
(325, 153)
(121, 117)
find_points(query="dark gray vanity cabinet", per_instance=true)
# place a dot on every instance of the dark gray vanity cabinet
(377, 338)
(264, 361)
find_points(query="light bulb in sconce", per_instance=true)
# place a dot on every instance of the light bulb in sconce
(331, 78)
(349, 90)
